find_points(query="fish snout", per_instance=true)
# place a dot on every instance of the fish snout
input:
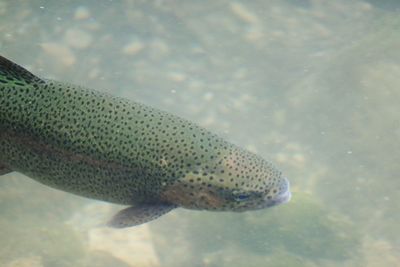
(282, 197)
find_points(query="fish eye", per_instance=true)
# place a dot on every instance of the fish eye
(239, 195)
(242, 197)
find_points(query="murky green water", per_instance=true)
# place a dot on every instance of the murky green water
(312, 85)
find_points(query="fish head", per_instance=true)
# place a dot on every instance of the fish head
(248, 182)
(238, 180)
(249, 199)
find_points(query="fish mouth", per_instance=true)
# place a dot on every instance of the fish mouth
(283, 196)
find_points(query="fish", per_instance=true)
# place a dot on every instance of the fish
(117, 150)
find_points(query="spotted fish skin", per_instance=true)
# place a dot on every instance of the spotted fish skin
(113, 149)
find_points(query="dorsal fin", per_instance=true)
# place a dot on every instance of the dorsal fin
(13, 72)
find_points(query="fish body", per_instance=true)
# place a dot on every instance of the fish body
(113, 149)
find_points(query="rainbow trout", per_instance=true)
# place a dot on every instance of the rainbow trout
(108, 148)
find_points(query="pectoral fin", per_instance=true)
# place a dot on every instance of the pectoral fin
(139, 214)
(4, 169)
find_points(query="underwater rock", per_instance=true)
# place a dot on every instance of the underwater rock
(133, 246)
